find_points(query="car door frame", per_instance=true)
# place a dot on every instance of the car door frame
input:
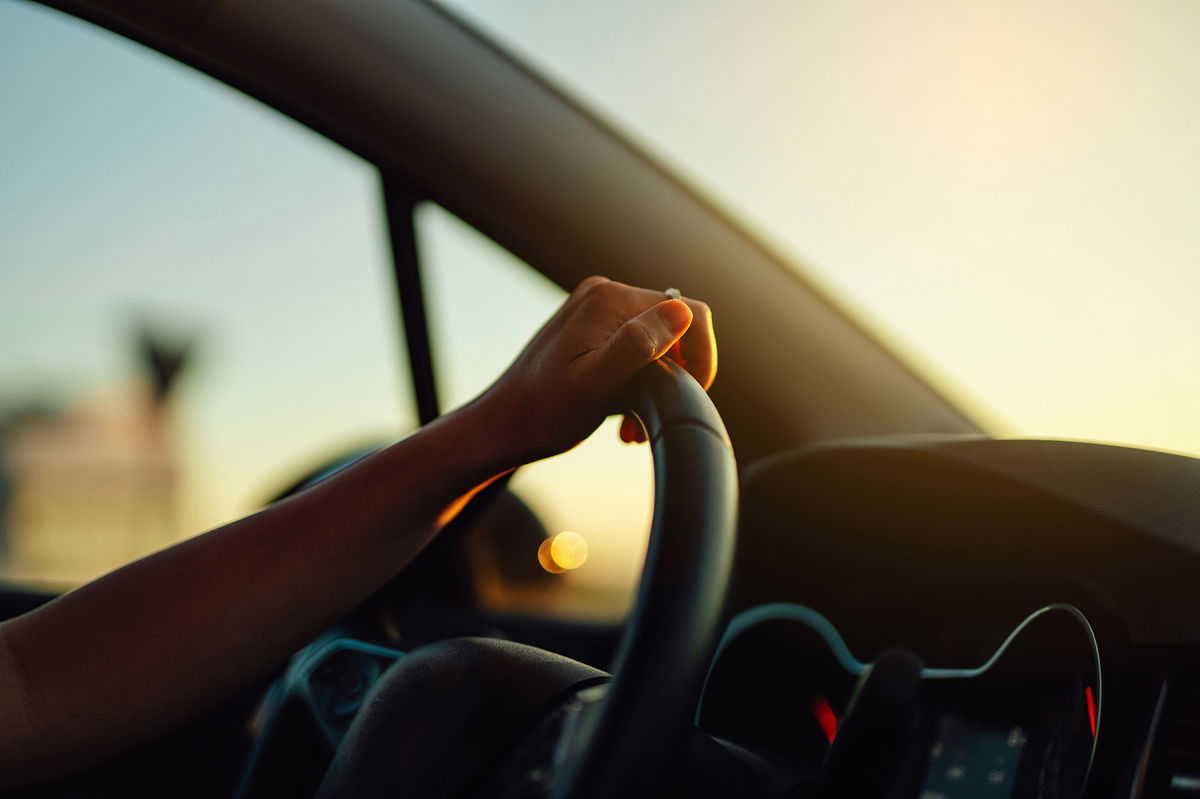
(448, 116)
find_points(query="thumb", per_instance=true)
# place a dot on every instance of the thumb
(644, 338)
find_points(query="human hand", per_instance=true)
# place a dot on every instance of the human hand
(572, 373)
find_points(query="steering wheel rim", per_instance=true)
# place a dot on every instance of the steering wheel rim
(623, 742)
(671, 633)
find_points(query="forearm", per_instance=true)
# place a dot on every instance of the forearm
(136, 651)
(153, 642)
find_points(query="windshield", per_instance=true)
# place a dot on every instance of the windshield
(1005, 192)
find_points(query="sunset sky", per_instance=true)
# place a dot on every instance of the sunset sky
(1006, 192)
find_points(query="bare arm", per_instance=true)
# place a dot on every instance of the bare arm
(142, 648)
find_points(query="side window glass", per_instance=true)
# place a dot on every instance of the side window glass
(195, 301)
(581, 554)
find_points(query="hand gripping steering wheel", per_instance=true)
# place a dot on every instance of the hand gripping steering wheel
(450, 709)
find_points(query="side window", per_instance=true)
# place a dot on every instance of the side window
(594, 503)
(195, 301)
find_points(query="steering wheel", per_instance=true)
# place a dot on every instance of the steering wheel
(447, 711)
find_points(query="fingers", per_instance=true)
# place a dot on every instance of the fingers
(645, 338)
(632, 431)
(696, 350)
(699, 345)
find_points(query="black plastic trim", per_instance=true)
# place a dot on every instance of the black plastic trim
(401, 205)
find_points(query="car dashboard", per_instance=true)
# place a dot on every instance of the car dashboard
(1041, 594)
(929, 618)
(1024, 723)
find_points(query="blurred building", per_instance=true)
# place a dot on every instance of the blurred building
(91, 483)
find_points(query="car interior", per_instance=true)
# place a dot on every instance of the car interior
(850, 587)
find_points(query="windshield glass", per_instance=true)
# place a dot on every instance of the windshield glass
(1005, 192)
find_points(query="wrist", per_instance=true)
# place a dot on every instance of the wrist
(465, 451)
(483, 435)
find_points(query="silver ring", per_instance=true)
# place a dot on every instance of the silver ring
(673, 294)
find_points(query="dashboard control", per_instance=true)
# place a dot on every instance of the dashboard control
(1022, 725)
(335, 676)
(969, 759)
(306, 713)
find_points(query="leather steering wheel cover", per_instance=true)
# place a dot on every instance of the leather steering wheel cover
(671, 633)
(439, 715)
(442, 712)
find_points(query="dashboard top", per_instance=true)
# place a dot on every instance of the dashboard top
(957, 530)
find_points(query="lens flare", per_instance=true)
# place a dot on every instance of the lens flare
(563, 552)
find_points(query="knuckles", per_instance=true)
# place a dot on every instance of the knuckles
(604, 291)
(590, 285)
(639, 341)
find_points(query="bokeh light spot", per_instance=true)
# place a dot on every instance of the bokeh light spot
(563, 552)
